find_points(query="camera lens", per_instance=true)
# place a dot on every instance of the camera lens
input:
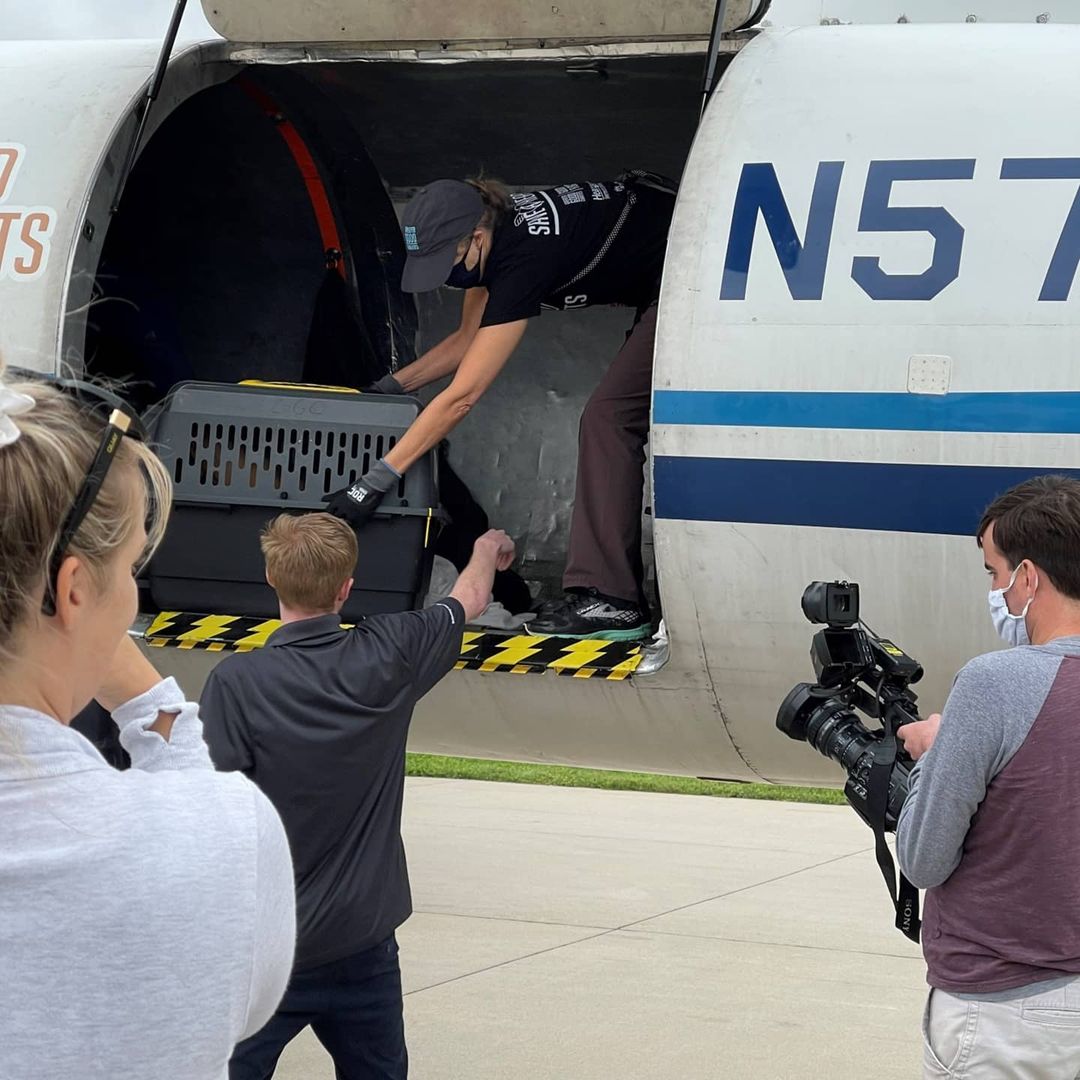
(795, 710)
(834, 731)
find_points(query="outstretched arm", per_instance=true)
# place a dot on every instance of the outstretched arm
(445, 358)
(492, 551)
(483, 360)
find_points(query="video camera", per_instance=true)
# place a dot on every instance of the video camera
(857, 671)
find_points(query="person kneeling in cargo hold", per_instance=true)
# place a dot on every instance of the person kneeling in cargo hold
(318, 720)
(568, 247)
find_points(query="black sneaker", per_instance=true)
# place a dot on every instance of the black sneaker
(587, 614)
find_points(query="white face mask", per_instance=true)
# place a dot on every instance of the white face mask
(1011, 628)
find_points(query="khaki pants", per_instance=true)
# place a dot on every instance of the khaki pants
(1027, 1038)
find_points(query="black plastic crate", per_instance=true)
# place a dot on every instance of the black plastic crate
(241, 455)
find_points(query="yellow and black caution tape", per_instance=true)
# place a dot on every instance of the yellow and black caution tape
(525, 654)
(520, 654)
(215, 633)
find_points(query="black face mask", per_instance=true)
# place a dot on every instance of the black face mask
(461, 278)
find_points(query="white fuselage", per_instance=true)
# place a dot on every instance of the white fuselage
(868, 327)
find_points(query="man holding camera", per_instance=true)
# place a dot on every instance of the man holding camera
(318, 719)
(992, 818)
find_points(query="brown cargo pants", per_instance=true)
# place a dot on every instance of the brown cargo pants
(605, 530)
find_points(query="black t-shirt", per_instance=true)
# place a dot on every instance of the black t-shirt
(318, 719)
(575, 246)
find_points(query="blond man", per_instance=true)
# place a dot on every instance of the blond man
(318, 720)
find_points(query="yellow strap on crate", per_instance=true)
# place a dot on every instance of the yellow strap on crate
(517, 654)
(298, 386)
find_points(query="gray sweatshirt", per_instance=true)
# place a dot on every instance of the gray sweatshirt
(146, 917)
(991, 822)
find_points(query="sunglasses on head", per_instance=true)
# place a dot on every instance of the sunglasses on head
(120, 420)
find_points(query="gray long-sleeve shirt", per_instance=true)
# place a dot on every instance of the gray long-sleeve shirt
(146, 917)
(990, 824)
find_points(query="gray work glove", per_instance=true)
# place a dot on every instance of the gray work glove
(386, 385)
(357, 504)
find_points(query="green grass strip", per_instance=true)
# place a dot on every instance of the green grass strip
(512, 772)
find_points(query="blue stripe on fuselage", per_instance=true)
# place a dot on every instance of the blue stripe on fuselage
(1026, 413)
(945, 499)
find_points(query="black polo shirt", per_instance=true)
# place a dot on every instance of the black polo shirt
(318, 720)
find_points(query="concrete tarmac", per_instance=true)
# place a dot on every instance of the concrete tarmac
(586, 935)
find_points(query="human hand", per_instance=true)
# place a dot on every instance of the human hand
(918, 736)
(499, 544)
(355, 505)
(386, 385)
(129, 676)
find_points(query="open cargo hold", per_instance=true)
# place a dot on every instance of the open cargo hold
(241, 455)
(214, 265)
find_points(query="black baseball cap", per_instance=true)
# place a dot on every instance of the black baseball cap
(433, 222)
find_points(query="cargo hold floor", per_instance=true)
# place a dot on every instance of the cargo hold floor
(481, 650)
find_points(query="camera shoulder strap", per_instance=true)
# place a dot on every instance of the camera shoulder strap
(905, 896)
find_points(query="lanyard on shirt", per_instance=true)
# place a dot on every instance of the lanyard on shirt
(631, 200)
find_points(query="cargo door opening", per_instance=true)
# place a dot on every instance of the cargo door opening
(214, 264)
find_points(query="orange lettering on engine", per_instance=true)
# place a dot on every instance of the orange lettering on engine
(7, 219)
(9, 157)
(40, 224)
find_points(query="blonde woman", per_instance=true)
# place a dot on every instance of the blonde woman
(146, 917)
